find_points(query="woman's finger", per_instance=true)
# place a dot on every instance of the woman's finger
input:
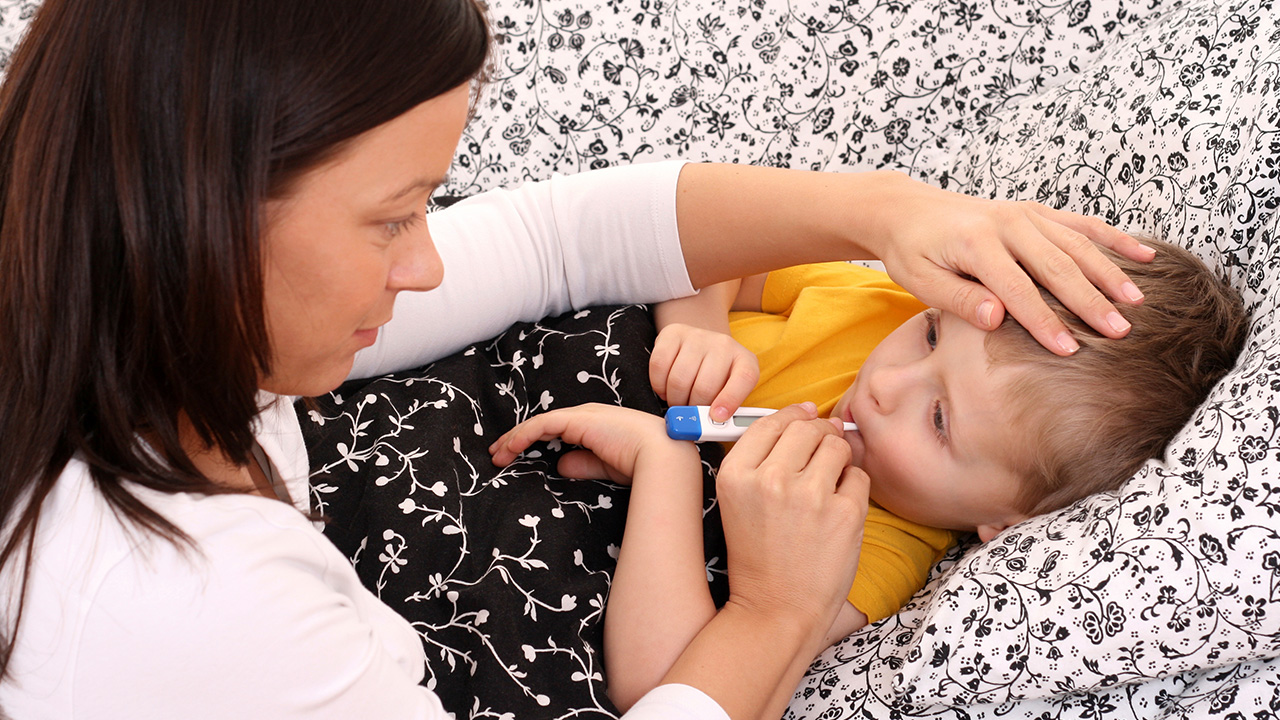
(1099, 232)
(758, 441)
(796, 448)
(1020, 297)
(829, 459)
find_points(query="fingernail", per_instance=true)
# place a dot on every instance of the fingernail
(1067, 343)
(809, 407)
(1149, 250)
(1117, 322)
(720, 413)
(984, 312)
(1131, 292)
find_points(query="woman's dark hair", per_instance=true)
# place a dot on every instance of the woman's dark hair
(138, 142)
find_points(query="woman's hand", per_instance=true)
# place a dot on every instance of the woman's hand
(971, 256)
(615, 439)
(696, 366)
(793, 510)
(977, 258)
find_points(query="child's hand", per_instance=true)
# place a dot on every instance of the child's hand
(695, 366)
(615, 439)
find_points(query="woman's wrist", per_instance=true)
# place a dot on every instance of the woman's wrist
(747, 661)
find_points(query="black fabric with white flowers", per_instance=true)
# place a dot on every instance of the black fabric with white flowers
(503, 571)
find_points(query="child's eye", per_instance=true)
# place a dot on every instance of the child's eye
(395, 228)
(939, 423)
(931, 330)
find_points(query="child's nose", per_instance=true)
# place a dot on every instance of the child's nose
(887, 384)
(417, 266)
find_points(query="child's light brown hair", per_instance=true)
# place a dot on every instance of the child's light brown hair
(1095, 417)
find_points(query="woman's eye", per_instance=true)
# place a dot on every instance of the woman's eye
(931, 330)
(939, 423)
(395, 228)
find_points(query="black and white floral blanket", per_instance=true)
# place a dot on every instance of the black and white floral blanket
(503, 571)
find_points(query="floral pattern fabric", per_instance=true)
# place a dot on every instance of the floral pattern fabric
(503, 571)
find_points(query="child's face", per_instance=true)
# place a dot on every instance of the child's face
(934, 431)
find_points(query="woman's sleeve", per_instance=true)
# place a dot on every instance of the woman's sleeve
(261, 621)
(676, 702)
(541, 249)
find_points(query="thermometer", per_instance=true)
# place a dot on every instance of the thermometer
(693, 422)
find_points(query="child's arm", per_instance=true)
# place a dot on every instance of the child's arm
(694, 360)
(659, 599)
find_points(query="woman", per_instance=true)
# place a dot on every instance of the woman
(211, 204)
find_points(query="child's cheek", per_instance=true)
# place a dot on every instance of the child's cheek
(858, 447)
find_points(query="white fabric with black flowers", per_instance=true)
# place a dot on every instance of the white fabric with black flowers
(1161, 116)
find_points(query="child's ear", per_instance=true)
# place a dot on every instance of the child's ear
(986, 532)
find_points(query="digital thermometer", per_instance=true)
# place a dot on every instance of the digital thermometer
(693, 422)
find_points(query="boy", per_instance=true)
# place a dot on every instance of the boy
(958, 429)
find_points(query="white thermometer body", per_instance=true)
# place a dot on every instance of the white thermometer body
(693, 422)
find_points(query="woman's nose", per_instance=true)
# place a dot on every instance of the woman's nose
(417, 265)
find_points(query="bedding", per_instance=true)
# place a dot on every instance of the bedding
(504, 571)
(1162, 116)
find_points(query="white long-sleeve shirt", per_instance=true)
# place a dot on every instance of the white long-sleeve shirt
(262, 616)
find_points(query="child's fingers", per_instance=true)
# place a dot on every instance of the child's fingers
(585, 465)
(713, 373)
(660, 362)
(743, 376)
(683, 375)
(547, 426)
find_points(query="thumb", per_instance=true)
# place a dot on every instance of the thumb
(855, 483)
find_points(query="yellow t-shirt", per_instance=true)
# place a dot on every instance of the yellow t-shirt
(819, 323)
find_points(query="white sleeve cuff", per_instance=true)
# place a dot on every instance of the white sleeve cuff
(676, 702)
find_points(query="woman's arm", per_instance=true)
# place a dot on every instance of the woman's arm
(544, 248)
(644, 233)
(738, 220)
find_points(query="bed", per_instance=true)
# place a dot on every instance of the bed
(1163, 117)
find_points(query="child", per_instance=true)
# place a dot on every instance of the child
(958, 429)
